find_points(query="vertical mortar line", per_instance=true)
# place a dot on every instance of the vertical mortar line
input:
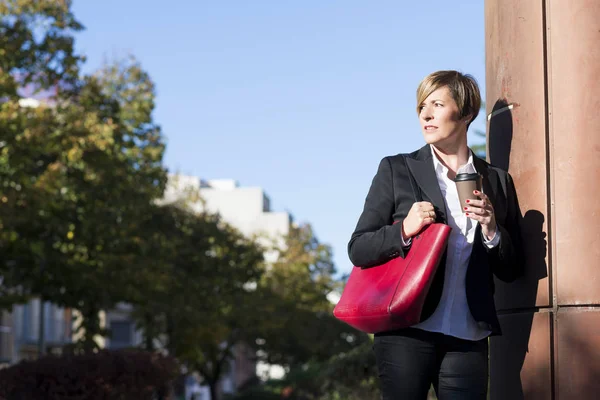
(550, 195)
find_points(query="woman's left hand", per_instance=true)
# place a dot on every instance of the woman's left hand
(482, 211)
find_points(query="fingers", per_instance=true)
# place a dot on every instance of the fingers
(428, 221)
(421, 214)
(423, 206)
(483, 203)
(482, 219)
(477, 210)
(427, 218)
(476, 203)
(480, 210)
(425, 211)
(481, 195)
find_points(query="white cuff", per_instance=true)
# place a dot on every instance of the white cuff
(406, 243)
(494, 242)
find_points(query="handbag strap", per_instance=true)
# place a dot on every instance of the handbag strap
(416, 194)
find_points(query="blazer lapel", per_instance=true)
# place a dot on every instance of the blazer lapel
(489, 181)
(489, 185)
(422, 170)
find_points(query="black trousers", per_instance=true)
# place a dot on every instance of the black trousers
(410, 360)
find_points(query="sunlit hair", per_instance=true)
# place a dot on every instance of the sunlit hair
(463, 89)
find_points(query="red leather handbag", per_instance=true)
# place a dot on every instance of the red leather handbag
(391, 296)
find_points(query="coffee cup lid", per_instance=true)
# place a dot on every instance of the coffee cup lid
(466, 177)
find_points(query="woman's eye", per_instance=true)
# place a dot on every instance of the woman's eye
(439, 105)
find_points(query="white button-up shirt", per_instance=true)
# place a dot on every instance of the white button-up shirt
(452, 315)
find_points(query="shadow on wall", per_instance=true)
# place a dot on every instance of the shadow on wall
(516, 301)
(500, 135)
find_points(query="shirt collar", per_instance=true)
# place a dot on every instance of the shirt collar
(468, 168)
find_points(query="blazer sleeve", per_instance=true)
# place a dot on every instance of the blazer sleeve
(377, 239)
(507, 259)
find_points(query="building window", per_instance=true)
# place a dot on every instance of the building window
(266, 203)
(121, 334)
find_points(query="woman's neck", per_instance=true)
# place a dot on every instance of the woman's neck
(452, 157)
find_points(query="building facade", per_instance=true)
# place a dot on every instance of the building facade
(20, 331)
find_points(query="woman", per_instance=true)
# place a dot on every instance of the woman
(449, 347)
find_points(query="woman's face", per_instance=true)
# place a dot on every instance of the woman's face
(440, 122)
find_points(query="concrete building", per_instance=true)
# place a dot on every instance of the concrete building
(246, 208)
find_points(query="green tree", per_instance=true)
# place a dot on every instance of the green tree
(36, 53)
(206, 295)
(117, 187)
(350, 375)
(36, 45)
(326, 359)
(77, 170)
(300, 327)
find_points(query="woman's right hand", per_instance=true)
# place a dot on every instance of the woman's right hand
(420, 215)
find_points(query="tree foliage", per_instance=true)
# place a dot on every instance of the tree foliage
(203, 300)
(299, 326)
(78, 168)
(81, 224)
(36, 53)
(36, 45)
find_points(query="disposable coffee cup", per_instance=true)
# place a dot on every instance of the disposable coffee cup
(465, 185)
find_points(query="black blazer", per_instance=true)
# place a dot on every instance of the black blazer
(377, 240)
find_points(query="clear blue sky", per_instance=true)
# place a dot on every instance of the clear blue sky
(302, 98)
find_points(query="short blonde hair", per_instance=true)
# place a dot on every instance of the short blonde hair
(463, 89)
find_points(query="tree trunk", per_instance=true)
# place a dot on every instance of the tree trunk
(170, 335)
(42, 327)
(149, 334)
(42, 320)
(91, 326)
(213, 390)
(214, 380)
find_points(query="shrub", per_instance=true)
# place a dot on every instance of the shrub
(119, 375)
